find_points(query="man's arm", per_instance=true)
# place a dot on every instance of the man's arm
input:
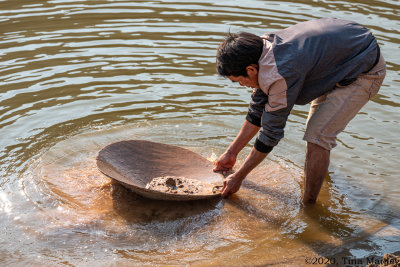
(227, 160)
(249, 129)
(273, 120)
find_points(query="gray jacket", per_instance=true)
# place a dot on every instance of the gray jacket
(303, 62)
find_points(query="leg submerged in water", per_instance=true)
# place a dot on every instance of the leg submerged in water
(315, 170)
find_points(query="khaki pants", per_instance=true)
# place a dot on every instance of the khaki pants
(330, 113)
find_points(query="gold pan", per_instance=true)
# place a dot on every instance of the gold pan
(134, 163)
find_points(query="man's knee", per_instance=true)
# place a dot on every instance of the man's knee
(316, 147)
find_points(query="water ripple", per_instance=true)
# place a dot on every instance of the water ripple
(87, 66)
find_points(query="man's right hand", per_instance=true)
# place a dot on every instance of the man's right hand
(225, 162)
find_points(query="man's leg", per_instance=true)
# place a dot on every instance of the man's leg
(329, 114)
(315, 170)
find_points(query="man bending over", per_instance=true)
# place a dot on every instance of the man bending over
(334, 63)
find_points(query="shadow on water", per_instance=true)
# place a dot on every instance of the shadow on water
(136, 209)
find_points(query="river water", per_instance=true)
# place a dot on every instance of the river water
(79, 75)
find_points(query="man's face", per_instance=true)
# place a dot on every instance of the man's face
(250, 81)
(245, 81)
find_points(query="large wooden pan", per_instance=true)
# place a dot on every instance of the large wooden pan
(134, 163)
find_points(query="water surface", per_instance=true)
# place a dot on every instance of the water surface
(76, 76)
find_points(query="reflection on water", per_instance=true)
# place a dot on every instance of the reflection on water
(76, 76)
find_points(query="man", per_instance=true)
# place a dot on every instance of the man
(334, 63)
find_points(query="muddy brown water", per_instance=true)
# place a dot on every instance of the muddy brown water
(76, 76)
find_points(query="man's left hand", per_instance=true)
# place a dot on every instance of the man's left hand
(232, 184)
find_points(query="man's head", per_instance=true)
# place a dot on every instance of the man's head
(237, 58)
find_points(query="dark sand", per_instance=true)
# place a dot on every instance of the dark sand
(181, 185)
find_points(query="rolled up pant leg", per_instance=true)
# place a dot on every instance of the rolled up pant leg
(330, 113)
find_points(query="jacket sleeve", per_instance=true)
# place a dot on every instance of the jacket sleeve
(256, 107)
(281, 98)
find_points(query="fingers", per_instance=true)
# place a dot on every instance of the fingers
(231, 185)
(223, 171)
(220, 167)
(225, 190)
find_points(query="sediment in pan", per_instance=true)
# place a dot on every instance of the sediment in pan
(181, 185)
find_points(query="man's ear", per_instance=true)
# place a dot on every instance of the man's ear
(252, 70)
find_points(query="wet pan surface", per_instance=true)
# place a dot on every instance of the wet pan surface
(135, 163)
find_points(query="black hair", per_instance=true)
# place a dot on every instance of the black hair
(237, 52)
